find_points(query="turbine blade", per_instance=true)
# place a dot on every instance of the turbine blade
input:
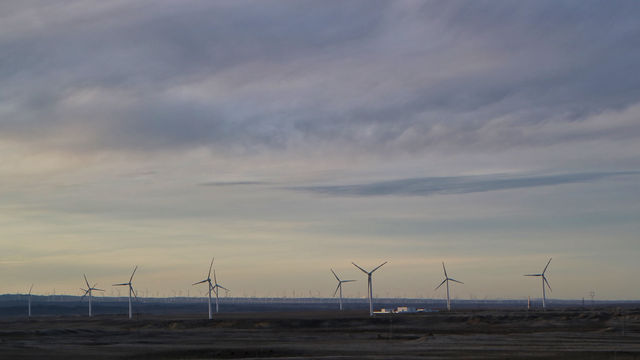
(215, 279)
(134, 292)
(532, 275)
(211, 266)
(30, 289)
(363, 270)
(337, 288)
(546, 282)
(87, 281)
(133, 273)
(379, 266)
(123, 284)
(454, 280)
(200, 282)
(445, 270)
(344, 281)
(96, 289)
(438, 287)
(545, 268)
(334, 274)
(222, 287)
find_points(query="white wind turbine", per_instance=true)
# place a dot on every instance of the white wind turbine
(131, 291)
(544, 281)
(89, 291)
(31, 288)
(211, 287)
(339, 286)
(216, 287)
(446, 280)
(369, 284)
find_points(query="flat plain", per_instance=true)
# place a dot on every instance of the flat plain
(482, 334)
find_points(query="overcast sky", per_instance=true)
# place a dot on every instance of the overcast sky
(289, 137)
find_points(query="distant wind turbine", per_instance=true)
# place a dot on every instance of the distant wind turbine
(216, 287)
(544, 281)
(30, 300)
(446, 280)
(339, 287)
(89, 291)
(369, 284)
(131, 291)
(211, 287)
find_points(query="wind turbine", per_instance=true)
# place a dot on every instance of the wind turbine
(544, 281)
(340, 286)
(89, 290)
(131, 291)
(211, 287)
(369, 284)
(216, 287)
(31, 288)
(446, 280)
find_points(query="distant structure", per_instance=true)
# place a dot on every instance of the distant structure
(208, 281)
(446, 280)
(369, 284)
(217, 287)
(131, 291)
(544, 281)
(89, 290)
(339, 287)
(29, 300)
(406, 309)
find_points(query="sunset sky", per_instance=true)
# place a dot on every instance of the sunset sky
(286, 138)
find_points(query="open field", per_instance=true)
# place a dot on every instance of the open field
(484, 334)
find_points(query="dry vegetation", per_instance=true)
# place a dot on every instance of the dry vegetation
(566, 334)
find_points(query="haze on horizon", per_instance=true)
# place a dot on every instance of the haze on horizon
(288, 137)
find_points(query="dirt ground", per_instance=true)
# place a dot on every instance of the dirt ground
(561, 334)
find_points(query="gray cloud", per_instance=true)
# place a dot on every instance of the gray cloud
(233, 183)
(456, 184)
(371, 77)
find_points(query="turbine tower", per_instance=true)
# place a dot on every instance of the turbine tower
(31, 288)
(211, 287)
(544, 281)
(369, 284)
(131, 291)
(339, 287)
(89, 290)
(446, 280)
(216, 287)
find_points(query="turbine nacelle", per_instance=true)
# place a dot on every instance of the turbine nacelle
(368, 272)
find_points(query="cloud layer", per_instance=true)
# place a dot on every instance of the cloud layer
(456, 185)
(304, 134)
(247, 76)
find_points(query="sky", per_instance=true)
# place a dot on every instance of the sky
(286, 138)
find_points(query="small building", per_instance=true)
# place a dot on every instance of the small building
(405, 309)
(383, 311)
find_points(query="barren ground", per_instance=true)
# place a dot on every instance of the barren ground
(494, 334)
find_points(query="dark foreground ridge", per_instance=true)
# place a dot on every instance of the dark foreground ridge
(610, 333)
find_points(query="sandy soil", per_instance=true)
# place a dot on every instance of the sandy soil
(562, 334)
